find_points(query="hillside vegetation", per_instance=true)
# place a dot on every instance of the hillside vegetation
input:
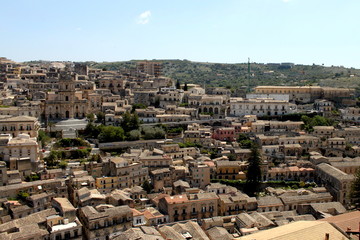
(235, 75)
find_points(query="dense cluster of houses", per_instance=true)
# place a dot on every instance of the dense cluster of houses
(163, 188)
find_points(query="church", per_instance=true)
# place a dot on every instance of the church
(66, 102)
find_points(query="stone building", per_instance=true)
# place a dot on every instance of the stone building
(66, 102)
(260, 107)
(20, 147)
(56, 186)
(199, 174)
(65, 224)
(20, 124)
(235, 203)
(225, 134)
(336, 181)
(151, 68)
(351, 114)
(230, 169)
(215, 105)
(308, 94)
(100, 222)
(275, 126)
(183, 207)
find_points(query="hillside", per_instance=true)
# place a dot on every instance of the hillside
(235, 75)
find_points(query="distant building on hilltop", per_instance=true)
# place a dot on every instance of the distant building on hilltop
(151, 68)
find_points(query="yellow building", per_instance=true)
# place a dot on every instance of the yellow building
(106, 184)
(230, 170)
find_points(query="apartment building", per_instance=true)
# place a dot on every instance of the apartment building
(308, 94)
(351, 134)
(199, 174)
(198, 134)
(183, 207)
(260, 107)
(225, 134)
(336, 181)
(151, 68)
(235, 203)
(230, 169)
(351, 114)
(262, 126)
(122, 174)
(20, 124)
(156, 161)
(100, 222)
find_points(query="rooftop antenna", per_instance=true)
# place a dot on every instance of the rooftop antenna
(248, 75)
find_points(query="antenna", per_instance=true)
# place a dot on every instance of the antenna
(248, 75)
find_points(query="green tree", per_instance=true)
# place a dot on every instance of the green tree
(242, 136)
(177, 84)
(90, 117)
(111, 134)
(51, 125)
(159, 133)
(138, 106)
(246, 143)
(153, 133)
(23, 196)
(63, 164)
(232, 157)
(32, 177)
(130, 122)
(43, 138)
(92, 131)
(51, 160)
(157, 101)
(95, 158)
(253, 174)
(355, 190)
(100, 117)
(185, 87)
(310, 123)
(134, 135)
(134, 122)
(125, 122)
(147, 186)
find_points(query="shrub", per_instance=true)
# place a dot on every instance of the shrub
(134, 135)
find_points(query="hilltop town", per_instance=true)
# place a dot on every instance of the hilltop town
(91, 153)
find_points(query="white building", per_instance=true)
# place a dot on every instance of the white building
(351, 114)
(260, 107)
(22, 146)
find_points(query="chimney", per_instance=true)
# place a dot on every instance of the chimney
(327, 236)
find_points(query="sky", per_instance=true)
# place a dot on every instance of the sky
(226, 31)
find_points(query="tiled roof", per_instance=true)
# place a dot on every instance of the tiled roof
(313, 230)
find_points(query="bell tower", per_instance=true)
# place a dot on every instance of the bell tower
(66, 95)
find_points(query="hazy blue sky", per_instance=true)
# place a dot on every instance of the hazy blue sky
(228, 31)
